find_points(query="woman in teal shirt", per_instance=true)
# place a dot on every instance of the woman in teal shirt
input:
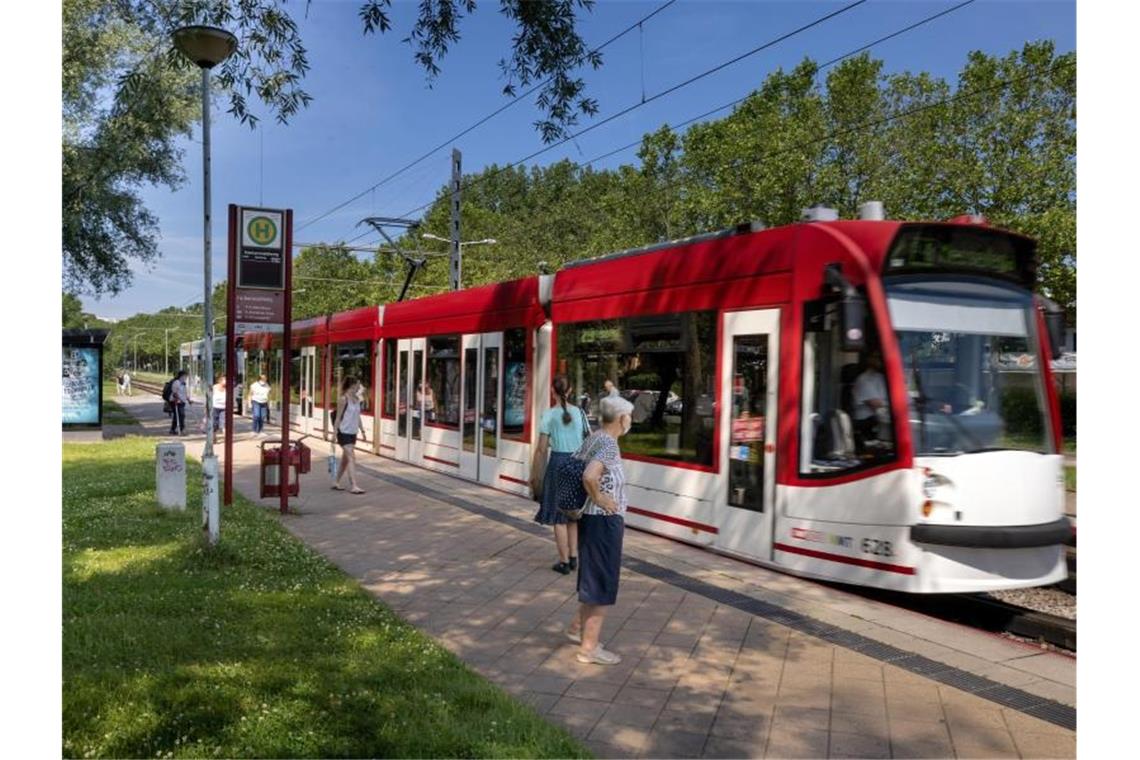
(562, 429)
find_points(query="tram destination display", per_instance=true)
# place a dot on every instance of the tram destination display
(956, 247)
(261, 255)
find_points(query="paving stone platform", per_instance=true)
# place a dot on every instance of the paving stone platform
(721, 658)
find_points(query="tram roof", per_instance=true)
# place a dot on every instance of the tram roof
(487, 308)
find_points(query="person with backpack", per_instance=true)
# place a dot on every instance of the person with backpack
(175, 394)
(562, 429)
(601, 529)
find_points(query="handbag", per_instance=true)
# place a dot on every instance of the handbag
(538, 479)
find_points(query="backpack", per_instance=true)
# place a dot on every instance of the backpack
(569, 492)
(168, 390)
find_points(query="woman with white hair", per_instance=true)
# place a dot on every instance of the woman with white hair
(600, 530)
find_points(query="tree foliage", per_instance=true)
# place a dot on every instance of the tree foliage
(128, 95)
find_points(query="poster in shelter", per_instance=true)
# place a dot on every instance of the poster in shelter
(81, 388)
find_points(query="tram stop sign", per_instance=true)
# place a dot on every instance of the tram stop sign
(261, 255)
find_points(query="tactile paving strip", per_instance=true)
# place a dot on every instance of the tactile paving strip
(1048, 710)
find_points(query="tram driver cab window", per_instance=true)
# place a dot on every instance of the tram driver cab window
(846, 415)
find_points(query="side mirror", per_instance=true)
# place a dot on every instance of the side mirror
(852, 311)
(1055, 327)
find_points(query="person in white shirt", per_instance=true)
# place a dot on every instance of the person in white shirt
(127, 383)
(259, 401)
(869, 397)
(611, 389)
(218, 403)
(348, 424)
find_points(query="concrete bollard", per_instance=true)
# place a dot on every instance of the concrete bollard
(170, 475)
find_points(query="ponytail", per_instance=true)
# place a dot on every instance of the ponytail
(561, 388)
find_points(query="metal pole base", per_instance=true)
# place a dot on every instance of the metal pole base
(210, 514)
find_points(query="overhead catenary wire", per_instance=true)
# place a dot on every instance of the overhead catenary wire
(643, 102)
(668, 91)
(636, 25)
(822, 66)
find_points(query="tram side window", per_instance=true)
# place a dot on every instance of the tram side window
(441, 402)
(353, 359)
(665, 365)
(846, 415)
(516, 384)
(390, 378)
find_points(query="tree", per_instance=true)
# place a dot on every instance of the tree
(75, 318)
(128, 95)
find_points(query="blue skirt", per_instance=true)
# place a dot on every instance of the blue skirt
(600, 539)
(548, 512)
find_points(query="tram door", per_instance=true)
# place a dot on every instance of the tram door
(307, 382)
(403, 385)
(410, 401)
(481, 393)
(750, 356)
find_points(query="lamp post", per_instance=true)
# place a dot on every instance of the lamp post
(206, 47)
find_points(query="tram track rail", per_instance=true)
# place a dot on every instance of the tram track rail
(982, 612)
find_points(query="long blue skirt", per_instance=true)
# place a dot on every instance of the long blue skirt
(548, 513)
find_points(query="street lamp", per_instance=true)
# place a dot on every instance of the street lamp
(206, 47)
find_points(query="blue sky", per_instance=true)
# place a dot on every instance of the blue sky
(373, 112)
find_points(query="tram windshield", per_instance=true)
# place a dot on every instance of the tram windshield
(971, 363)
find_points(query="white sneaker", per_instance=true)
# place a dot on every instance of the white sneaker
(600, 656)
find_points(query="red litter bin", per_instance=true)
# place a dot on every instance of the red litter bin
(300, 461)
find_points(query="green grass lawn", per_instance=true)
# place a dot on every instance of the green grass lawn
(113, 413)
(258, 648)
(1070, 478)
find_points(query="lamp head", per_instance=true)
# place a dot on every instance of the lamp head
(206, 46)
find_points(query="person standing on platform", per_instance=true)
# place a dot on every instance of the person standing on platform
(259, 402)
(218, 404)
(562, 429)
(348, 424)
(601, 530)
(127, 383)
(179, 398)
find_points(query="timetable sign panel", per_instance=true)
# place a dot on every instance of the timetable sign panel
(261, 256)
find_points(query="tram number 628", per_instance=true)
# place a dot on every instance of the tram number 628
(877, 546)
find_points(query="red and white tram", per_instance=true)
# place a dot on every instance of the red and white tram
(861, 401)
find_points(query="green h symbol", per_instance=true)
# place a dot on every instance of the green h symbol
(262, 230)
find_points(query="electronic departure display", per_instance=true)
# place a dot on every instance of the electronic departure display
(959, 248)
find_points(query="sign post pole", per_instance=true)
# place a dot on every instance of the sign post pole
(287, 359)
(231, 354)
